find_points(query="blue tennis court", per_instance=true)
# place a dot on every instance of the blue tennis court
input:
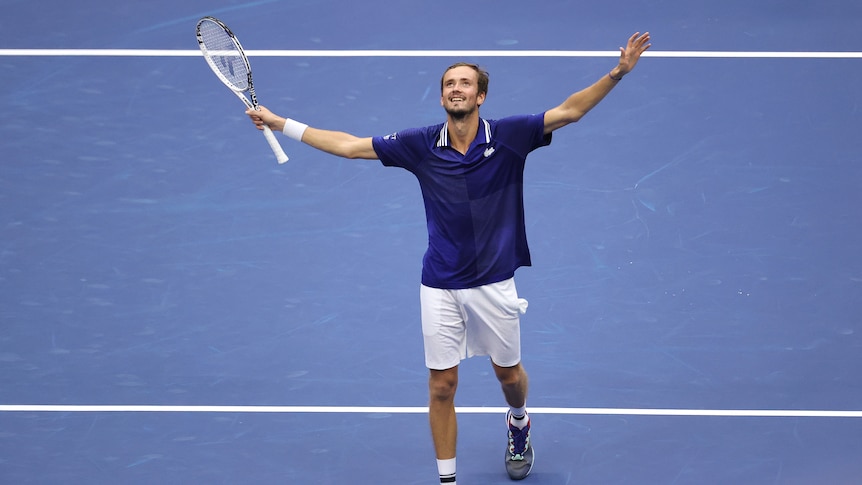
(176, 307)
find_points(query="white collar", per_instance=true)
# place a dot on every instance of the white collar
(443, 139)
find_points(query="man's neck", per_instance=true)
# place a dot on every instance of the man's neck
(462, 131)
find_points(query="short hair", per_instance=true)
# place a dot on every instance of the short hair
(483, 75)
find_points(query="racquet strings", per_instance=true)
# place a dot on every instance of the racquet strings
(224, 54)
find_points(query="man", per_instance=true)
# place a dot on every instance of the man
(470, 171)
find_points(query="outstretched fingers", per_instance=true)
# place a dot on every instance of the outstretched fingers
(630, 54)
(640, 42)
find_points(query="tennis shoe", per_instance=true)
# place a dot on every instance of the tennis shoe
(519, 453)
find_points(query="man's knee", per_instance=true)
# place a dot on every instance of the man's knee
(443, 384)
(510, 376)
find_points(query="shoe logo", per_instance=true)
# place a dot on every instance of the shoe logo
(489, 151)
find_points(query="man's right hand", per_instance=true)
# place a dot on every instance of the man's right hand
(264, 117)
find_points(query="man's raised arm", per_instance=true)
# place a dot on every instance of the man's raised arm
(334, 142)
(578, 104)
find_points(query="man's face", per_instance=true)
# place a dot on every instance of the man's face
(461, 96)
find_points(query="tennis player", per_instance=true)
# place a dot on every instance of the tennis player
(470, 171)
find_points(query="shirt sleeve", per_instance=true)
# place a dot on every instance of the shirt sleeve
(523, 133)
(400, 149)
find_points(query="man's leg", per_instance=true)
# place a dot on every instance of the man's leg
(442, 385)
(514, 382)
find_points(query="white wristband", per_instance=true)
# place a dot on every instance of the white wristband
(294, 129)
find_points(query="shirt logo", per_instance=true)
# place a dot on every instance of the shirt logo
(489, 151)
(393, 136)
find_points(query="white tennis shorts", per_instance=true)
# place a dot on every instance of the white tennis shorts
(457, 324)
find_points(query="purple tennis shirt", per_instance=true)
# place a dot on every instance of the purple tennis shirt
(474, 203)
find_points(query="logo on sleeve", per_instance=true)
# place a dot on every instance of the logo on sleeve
(393, 136)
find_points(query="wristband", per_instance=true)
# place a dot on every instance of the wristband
(615, 78)
(294, 129)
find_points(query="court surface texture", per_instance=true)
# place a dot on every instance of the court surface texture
(177, 308)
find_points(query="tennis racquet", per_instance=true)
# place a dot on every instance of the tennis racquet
(225, 56)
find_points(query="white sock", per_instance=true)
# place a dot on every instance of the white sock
(446, 469)
(518, 413)
(519, 416)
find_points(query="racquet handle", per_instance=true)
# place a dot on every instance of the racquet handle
(273, 143)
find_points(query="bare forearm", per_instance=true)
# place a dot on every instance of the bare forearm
(580, 103)
(334, 142)
(577, 105)
(339, 143)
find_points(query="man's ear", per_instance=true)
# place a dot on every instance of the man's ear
(480, 99)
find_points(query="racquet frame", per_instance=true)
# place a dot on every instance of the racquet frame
(267, 132)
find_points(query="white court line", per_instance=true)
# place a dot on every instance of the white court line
(424, 53)
(756, 413)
